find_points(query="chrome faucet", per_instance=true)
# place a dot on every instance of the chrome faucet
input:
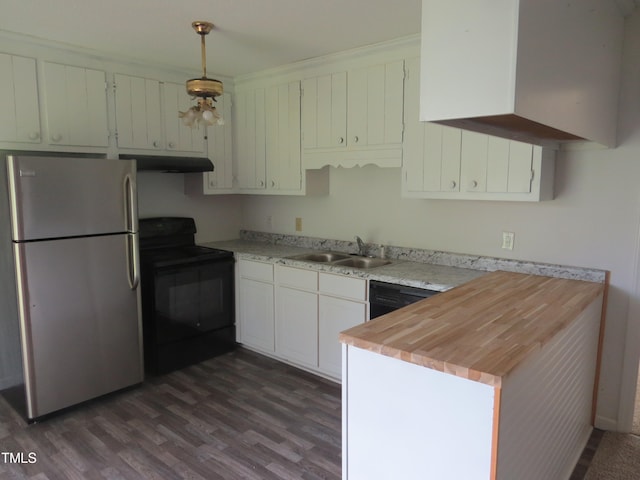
(360, 246)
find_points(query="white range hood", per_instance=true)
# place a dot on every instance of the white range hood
(542, 71)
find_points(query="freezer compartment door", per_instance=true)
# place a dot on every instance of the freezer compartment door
(79, 320)
(54, 197)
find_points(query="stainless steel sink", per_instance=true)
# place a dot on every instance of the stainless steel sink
(321, 257)
(342, 259)
(362, 262)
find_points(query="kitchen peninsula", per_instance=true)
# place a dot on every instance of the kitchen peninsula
(490, 380)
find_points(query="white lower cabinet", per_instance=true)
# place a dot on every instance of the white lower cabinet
(342, 304)
(335, 315)
(296, 314)
(297, 326)
(311, 309)
(256, 327)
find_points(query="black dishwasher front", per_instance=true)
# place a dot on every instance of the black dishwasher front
(387, 297)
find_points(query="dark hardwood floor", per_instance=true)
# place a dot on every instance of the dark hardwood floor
(237, 416)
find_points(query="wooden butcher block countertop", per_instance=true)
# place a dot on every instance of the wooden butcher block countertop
(480, 330)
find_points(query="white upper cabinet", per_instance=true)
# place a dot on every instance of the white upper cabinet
(431, 158)
(374, 105)
(283, 156)
(178, 136)
(220, 151)
(250, 130)
(267, 124)
(75, 102)
(138, 117)
(147, 116)
(446, 162)
(534, 70)
(19, 108)
(354, 117)
(325, 111)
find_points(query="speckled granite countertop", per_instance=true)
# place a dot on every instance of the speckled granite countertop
(430, 269)
(416, 274)
(421, 275)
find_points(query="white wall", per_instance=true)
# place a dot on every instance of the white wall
(217, 217)
(592, 222)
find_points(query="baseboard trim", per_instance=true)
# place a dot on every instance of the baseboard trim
(605, 423)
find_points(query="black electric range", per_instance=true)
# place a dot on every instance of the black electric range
(187, 291)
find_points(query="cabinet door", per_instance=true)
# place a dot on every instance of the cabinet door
(256, 314)
(473, 163)
(520, 167)
(19, 108)
(297, 326)
(509, 166)
(283, 156)
(220, 150)
(431, 156)
(375, 105)
(325, 111)
(75, 105)
(432, 160)
(335, 315)
(138, 116)
(414, 156)
(250, 136)
(178, 136)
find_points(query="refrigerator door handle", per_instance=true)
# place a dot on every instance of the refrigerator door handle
(133, 261)
(130, 202)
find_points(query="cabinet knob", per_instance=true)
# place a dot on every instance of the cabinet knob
(172, 145)
(355, 139)
(452, 185)
(262, 183)
(473, 184)
(340, 140)
(156, 143)
(273, 183)
(56, 137)
(34, 135)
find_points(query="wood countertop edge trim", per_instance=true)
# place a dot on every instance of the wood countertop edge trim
(423, 361)
(603, 321)
(495, 434)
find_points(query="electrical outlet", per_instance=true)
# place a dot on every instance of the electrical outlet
(507, 240)
(298, 224)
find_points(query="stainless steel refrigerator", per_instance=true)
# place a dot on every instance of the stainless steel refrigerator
(75, 253)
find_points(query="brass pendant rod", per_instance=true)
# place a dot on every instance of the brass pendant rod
(204, 56)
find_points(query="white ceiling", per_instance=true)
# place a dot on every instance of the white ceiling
(250, 35)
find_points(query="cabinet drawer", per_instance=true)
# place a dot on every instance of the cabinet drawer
(256, 270)
(298, 278)
(341, 286)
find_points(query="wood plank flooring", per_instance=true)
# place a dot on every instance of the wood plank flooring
(237, 416)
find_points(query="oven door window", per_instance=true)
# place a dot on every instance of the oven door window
(191, 299)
